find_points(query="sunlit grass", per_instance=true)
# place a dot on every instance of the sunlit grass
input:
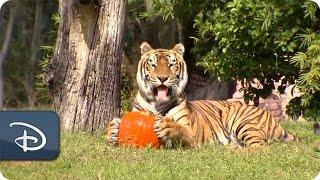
(84, 156)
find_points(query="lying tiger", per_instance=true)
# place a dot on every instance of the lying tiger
(162, 77)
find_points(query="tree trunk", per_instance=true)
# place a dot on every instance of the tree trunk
(30, 73)
(5, 49)
(85, 76)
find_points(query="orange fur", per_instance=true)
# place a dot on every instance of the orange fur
(196, 122)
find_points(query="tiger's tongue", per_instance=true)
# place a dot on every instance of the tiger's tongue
(162, 93)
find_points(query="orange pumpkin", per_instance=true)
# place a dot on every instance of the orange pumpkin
(136, 130)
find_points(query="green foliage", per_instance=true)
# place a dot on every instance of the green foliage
(56, 18)
(15, 67)
(171, 9)
(126, 92)
(249, 38)
(43, 96)
(245, 39)
(294, 108)
(136, 9)
(309, 80)
(17, 64)
(131, 53)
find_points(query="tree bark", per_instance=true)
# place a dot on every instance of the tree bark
(85, 76)
(5, 49)
(30, 73)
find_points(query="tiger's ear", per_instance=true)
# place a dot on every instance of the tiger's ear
(145, 47)
(179, 48)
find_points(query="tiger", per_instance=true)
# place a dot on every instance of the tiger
(162, 78)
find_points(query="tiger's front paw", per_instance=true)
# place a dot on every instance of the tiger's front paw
(165, 128)
(112, 130)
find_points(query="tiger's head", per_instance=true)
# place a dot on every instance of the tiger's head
(162, 73)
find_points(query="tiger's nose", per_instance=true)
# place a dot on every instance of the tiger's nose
(163, 78)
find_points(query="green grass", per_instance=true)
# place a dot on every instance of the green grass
(84, 156)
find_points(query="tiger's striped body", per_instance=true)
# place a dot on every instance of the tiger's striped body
(234, 122)
(162, 77)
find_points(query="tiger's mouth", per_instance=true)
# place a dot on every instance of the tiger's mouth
(162, 92)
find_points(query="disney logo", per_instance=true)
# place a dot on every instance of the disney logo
(25, 137)
(317, 2)
(2, 2)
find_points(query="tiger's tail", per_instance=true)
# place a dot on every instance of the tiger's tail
(287, 137)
